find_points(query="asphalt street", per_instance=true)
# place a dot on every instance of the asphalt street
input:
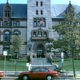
(54, 79)
(60, 78)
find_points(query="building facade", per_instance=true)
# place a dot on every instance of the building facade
(33, 21)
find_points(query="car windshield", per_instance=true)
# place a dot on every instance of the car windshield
(35, 70)
(44, 69)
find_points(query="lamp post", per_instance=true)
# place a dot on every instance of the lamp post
(29, 46)
(5, 54)
(15, 62)
(62, 59)
(30, 58)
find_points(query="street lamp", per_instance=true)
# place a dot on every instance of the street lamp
(5, 54)
(62, 59)
(29, 46)
(30, 57)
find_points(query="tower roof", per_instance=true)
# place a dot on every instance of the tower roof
(7, 5)
(69, 7)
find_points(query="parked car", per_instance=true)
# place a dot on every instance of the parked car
(38, 73)
(1, 74)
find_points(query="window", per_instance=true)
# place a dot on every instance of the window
(39, 33)
(36, 70)
(41, 3)
(44, 22)
(0, 35)
(36, 12)
(16, 23)
(7, 36)
(37, 3)
(45, 33)
(44, 70)
(16, 33)
(34, 33)
(41, 12)
(35, 22)
(0, 23)
(7, 13)
(6, 47)
(6, 23)
(39, 22)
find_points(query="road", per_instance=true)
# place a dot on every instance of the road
(61, 77)
(54, 79)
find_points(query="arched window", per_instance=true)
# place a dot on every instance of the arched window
(6, 36)
(16, 33)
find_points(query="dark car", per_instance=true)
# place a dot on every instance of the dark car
(38, 73)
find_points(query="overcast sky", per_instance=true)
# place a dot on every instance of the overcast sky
(52, 1)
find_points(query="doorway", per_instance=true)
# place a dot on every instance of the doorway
(40, 51)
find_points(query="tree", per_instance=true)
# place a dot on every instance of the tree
(69, 33)
(17, 44)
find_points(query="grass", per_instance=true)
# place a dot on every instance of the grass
(21, 65)
(10, 66)
(67, 65)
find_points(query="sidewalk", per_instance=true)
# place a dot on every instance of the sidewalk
(70, 73)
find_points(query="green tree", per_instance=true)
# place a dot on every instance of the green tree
(68, 31)
(17, 44)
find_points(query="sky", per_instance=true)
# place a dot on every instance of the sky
(77, 2)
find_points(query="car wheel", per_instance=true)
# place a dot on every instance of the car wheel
(49, 77)
(25, 77)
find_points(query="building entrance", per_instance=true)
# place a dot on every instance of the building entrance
(40, 51)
